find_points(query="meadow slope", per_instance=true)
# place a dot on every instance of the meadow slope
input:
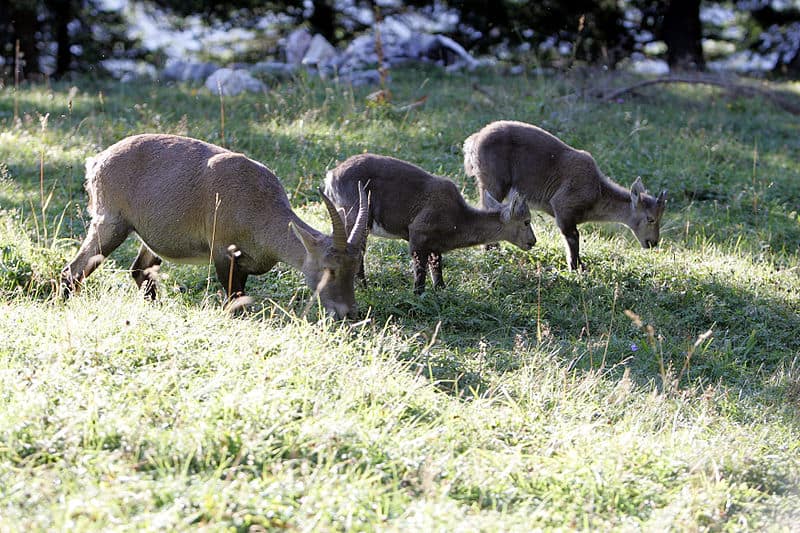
(659, 388)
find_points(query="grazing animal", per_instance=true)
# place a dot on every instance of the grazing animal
(428, 211)
(555, 178)
(189, 200)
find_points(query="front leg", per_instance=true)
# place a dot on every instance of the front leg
(435, 265)
(229, 273)
(419, 265)
(143, 271)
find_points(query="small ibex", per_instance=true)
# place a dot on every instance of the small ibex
(559, 180)
(188, 201)
(428, 211)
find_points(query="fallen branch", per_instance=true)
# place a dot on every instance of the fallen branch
(733, 88)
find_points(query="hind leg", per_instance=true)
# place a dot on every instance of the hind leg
(569, 231)
(143, 271)
(104, 236)
(435, 266)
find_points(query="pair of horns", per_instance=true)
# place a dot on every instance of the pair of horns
(340, 237)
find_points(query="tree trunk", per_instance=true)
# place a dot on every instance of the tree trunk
(683, 34)
(61, 11)
(322, 20)
(25, 26)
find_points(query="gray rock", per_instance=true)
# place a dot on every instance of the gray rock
(444, 49)
(275, 69)
(361, 78)
(127, 70)
(320, 52)
(232, 82)
(296, 45)
(187, 71)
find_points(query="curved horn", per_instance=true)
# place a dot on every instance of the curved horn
(359, 232)
(339, 232)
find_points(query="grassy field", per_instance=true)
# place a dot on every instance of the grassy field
(658, 389)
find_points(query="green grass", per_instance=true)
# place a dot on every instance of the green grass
(521, 396)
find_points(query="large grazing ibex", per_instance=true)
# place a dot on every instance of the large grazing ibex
(555, 178)
(188, 201)
(428, 211)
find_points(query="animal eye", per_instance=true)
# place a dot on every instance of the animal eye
(651, 220)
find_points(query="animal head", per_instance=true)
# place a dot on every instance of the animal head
(646, 214)
(331, 261)
(516, 218)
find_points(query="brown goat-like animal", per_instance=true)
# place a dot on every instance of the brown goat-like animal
(189, 200)
(428, 211)
(555, 178)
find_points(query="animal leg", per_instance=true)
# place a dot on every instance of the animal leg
(571, 241)
(435, 265)
(144, 270)
(419, 262)
(105, 234)
(229, 274)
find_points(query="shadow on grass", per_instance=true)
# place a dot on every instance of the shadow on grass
(524, 302)
(493, 300)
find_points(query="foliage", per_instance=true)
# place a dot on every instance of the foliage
(522, 396)
(67, 34)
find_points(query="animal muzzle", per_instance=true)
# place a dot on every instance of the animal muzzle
(340, 312)
(649, 243)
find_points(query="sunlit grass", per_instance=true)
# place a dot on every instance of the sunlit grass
(522, 396)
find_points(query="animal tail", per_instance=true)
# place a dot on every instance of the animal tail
(470, 156)
(329, 189)
(92, 165)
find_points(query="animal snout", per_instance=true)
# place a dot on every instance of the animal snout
(650, 243)
(342, 311)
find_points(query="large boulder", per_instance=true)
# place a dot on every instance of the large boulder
(232, 82)
(296, 45)
(401, 44)
(320, 52)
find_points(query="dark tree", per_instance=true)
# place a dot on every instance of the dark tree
(677, 23)
(63, 12)
(594, 27)
(20, 24)
(323, 19)
(683, 33)
(39, 23)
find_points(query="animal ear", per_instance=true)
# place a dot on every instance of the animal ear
(662, 198)
(490, 203)
(308, 241)
(637, 189)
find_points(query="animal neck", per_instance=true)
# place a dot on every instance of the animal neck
(477, 227)
(613, 205)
